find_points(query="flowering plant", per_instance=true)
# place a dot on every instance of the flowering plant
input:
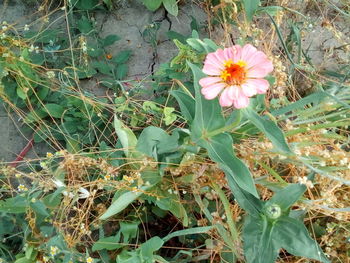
(238, 72)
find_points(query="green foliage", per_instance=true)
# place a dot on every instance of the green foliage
(145, 171)
(270, 229)
(170, 5)
(250, 7)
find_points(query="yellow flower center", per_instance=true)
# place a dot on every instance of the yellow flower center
(234, 73)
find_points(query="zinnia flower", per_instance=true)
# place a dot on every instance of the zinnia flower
(238, 73)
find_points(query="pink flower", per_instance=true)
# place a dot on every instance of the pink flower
(237, 73)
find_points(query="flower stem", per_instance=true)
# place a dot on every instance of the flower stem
(226, 128)
(230, 221)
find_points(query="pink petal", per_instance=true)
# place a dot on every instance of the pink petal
(212, 91)
(208, 81)
(241, 102)
(220, 55)
(259, 71)
(260, 66)
(260, 85)
(233, 92)
(216, 59)
(210, 69)
(248, 51)
(249, 88)
(237, 53)
(225, 100)
(228, 53)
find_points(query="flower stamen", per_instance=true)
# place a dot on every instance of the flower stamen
(234, 73)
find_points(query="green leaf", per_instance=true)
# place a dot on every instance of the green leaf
(86, 4)
(208, 116)
(102, 67)
(220, 150)
(39, 208)
(293, 236)
(171, 7)
(122, 57)
(84, 25)
(35, 115)
(169, 115)
(257, 240)
(149, 247)
(109, 40)
(54, 110)
(108, 3)
(123, 202)
(250, 7)
(186, 103)
(129, 230)
(126, 137)
(154, 141)
(16, 205)
(108, 243)
(286, 197)
(152, 5)
(171, 202)
(190, 231)
(269, 128)
(206, 45)
(122, 70)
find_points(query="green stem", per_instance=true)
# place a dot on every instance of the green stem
(220, 228)
(230, 221)
(225, 128)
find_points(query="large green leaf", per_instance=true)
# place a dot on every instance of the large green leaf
(171, 7)
(247, 201)
(54, 110)
(126, 137)
(190, 231)
(15, 205)
(208, 116)
(220, 150)
(152, 5)
(186, 103)
(108, 243)
(293, 236)
(109, 40)
(286, 197)
(269, 128)
(154, 141)
(257, 240)
(149, 247)
(250, 7)
(123, 202)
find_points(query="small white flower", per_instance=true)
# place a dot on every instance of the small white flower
(43, 165)
(323, 163)
(58, 183)
(53, 251)
(69, 194)
(305, 181)
(50, 74)
(4, 28)
(31, 48)
(83, 193)
(89, 260)
(343, 161)
(22, 188)
(26, 27)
